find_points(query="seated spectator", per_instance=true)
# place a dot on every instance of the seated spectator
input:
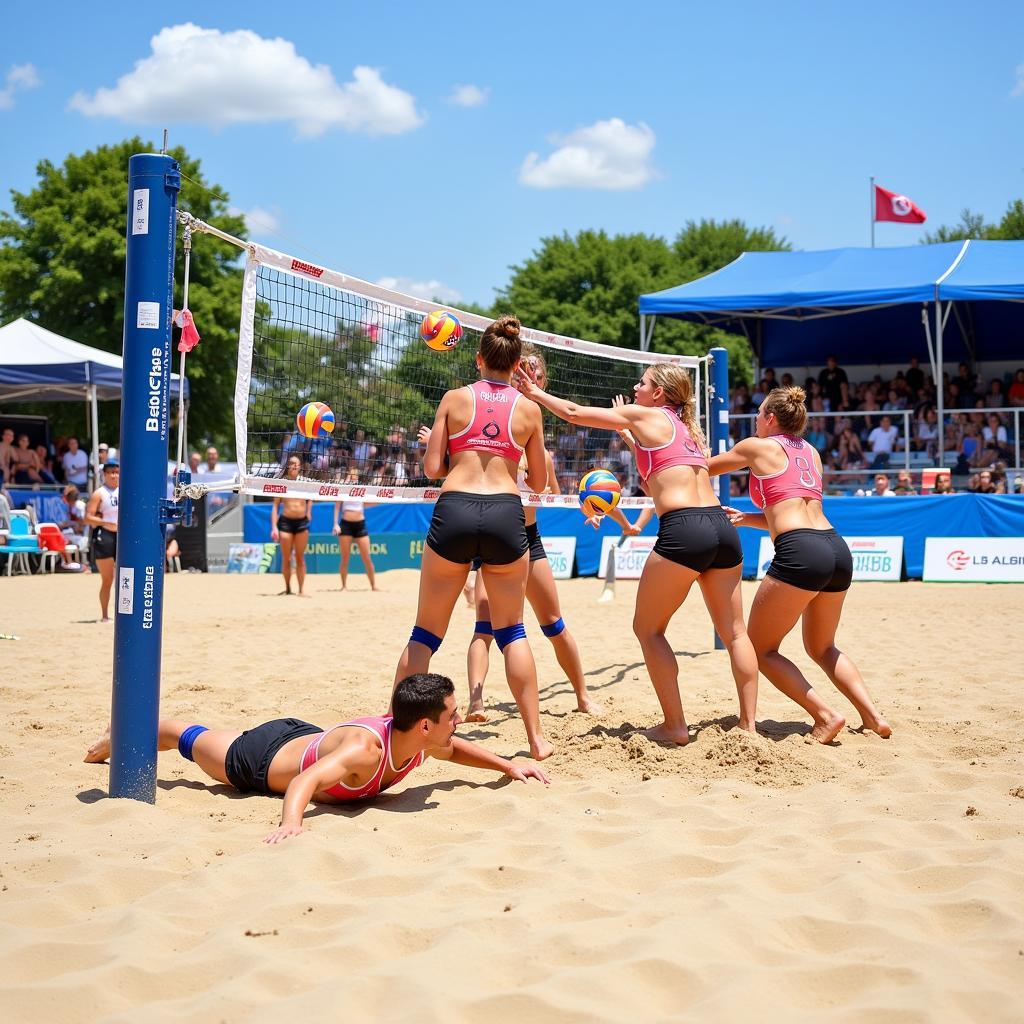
(212, 463)
(816, 434)
(6, 454)
(999, 478)
(996, 398)
(883, 441)
(944, 484)
(759, 394)
(769, 380)
(926, 432)
(25, 465)
(194, 459)
(787, 380)
(893, 402)
(1015, 395)
(870, 402)
(904, 483)
(959, 398)
(995, 442)
(848, 451)
(985, 484)
(969, 449)
(880, 490)
(75, 464)
(46, 463)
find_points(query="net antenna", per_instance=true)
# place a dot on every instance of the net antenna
(311, 334)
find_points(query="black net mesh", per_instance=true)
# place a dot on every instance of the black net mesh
(365, 359)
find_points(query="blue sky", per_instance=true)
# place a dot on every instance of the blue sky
(471, 131)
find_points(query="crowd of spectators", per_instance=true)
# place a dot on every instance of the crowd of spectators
(861, 428)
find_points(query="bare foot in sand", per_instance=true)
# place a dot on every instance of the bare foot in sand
(828, 729)
(586, 706)
(878, 725)
(541, 750)
(476, 712)
(747, 726)
(301, 594)
(663, 734)
(100, 750)
(284, 593)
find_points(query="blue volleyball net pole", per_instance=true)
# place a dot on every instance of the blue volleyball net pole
(718, 426)
(153, 184)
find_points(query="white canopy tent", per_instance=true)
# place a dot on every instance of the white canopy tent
(37, 364)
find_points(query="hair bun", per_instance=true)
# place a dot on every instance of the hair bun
(508, 326)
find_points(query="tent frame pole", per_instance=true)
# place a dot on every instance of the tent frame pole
(940, 391)
(94, 417)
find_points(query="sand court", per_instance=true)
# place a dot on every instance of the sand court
(738, 878)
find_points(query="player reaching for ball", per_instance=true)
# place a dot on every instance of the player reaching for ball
(696, 541)
(540, 592)
(812, 568)
(484, 430)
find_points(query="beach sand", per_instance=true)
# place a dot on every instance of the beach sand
(737, 879)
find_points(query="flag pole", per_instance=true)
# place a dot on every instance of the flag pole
(871, 207)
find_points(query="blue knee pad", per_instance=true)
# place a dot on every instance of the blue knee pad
(509, 634)
(424, 636)
(552, 629)
(188, 738)
(483, 627)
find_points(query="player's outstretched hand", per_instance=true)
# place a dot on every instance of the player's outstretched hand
(594, 521)
(525, 379)
(735, 515)
(526, 771)
(279, 835)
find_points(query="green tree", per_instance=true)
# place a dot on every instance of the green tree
(588, 286)
(1011, 227)
(971, 225)
(62, 251)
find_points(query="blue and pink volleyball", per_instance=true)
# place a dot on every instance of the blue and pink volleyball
(315, 419)
(600, 491)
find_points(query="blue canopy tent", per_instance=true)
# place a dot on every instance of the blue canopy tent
(37, 364)
(957, 300)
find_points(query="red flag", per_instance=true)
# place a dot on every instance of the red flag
(893, 206)
(189, 335)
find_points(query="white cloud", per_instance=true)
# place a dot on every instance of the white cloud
(469, 96)
(432, 289)
(220, 78)
(258, 219)
(19, 78)
(1018, 89)
(608, 155)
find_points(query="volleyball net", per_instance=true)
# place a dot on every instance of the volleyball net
(311, 334)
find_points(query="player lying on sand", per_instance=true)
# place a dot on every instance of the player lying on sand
(351, 761)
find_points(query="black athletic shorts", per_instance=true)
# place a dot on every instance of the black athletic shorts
(248, 759)
(816, 560)
(491, 527)
(537, 551)
(288, 524)
(699, 538)
(354, 528)
(103, 543)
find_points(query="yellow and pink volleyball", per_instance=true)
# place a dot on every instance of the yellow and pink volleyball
(315, 419)
(441, 330)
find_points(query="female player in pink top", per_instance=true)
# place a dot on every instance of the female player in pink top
(480, 433)
(812, 568)
(540, 592)
(696, 541)
(355, 760)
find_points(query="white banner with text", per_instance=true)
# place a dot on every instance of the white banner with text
(974, 559)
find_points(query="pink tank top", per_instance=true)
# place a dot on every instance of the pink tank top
(380, 726)
(490, 429)
(681, 450)
(798, 479)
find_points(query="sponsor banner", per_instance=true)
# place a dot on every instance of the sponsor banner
(974, 559)
(250, 558)
(630, 556)
(280, 488)
(874, 558)
(561, 552)
(388, 551)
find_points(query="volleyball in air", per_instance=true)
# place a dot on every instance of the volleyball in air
(315, 420)
(600, 491)
(441, 330)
